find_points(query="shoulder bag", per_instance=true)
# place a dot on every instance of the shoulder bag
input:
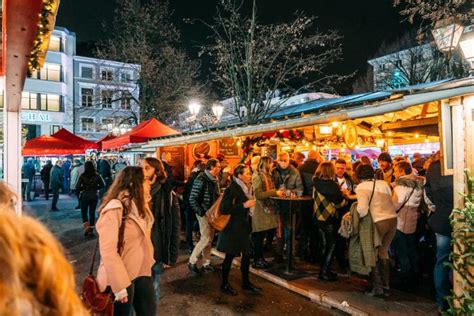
(214, 216)
(100, 303)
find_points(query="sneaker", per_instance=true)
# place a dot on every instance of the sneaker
(193, 268)
(208, 268)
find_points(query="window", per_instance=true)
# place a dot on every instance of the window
(49, 71)
(50, 102)
(107, 74)
(126, 76)
(54, 129)
(87, 124)
(29, 101)
(87, 96)
(125, 101)
(106, 99)
(55, 43)
(87, 72)
(1, 99)
(107, 124)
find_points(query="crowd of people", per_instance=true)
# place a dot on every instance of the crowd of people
(353, 202)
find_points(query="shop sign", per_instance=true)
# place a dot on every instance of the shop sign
(228, 147)
(35, 117)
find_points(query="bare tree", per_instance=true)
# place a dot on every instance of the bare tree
(254, 62)
(365, 82)
(144, 35)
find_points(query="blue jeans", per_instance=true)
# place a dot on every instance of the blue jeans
(157, 270)
(442, 273)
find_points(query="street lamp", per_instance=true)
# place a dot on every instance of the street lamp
(447, 34)
(194, 108)
(218, 110)
(467, 46)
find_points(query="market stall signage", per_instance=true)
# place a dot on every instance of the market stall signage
(35, 117)
(350, 135)
(201, 150)
(228, 147)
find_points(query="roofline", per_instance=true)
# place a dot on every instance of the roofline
(341, 115)
(113, 62)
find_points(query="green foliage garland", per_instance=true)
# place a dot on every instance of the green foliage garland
(462, 260)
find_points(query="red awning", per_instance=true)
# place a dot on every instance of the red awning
(109, 136)
(140, 134)
(50, 146)
(69, 137)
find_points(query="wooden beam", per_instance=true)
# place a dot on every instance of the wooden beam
(410, 123)
(424, 110)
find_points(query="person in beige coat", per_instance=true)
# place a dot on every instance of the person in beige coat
(265, 213)
(127, 271)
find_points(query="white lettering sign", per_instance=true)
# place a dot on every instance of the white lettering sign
(35, 117)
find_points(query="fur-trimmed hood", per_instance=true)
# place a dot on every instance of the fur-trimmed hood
(410, 181)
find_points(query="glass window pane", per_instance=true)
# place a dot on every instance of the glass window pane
(25, 100)
(54, 72)
(54, 102)
(86, 72)
(44, 102)
(55, 44)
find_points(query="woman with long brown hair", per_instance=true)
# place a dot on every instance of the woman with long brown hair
(128, 270)
(165, 209)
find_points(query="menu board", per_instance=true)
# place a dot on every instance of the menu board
(228, 147)
(176, 162)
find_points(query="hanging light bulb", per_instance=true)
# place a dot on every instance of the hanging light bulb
(335, 124)
(314, 147)
(239, 142)
(417, 135)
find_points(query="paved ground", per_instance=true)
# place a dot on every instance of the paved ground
(182, 294)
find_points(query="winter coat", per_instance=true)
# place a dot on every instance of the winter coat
(46, 173)
(66, 168)
(307, 171)
(235, 238)
(76, 172)
(28, 169)
(261, 220)
(103, 167)
(165, 230)
(56, 178)
(291, 181)
(136, 260)
(407, 216)
(188, 187)
(380, 175)
(204, 193)
(89, 185)
(327, 200)
(439, 190)
(381, 206)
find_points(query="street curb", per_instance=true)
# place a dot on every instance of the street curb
(319, 297)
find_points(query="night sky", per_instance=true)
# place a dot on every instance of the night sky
(365, 25)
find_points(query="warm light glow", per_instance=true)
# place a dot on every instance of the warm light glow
(380, 142)
(335, 124)
(357, 146)
(326, 146)
(239, 143)
(325, 130)
(218, 110)
(417, 135)
(314, 147)
(427, 140)
(390, 133)
(194, 107)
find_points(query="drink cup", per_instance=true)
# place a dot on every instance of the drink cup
(288, 193)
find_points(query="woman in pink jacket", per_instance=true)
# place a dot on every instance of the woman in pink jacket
(127, 271)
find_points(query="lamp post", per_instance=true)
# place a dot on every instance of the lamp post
(218, 110)
(194, 108)
(446, 34)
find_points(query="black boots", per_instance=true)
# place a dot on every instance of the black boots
(227, 289)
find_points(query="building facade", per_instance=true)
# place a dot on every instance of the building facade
(81, 94)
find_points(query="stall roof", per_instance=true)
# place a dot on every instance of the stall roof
(99, 142)
(69, 137)
(140, 134)
(336, 109)
(50, 146)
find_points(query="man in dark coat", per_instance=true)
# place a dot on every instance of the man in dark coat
(307, 226)
(28, 170)
(66, 170)
(105, 171)
(385, 172)
(439, 190)
(45, 176)
(56, 181)
(191, 221)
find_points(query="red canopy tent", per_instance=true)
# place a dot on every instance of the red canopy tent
(50, 146)
(140, 134)
(103, 139)
(69, 137)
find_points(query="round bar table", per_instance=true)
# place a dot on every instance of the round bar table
(289, 248)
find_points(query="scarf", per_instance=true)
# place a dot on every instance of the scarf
(247, 191)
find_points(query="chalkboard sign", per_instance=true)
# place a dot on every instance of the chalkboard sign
(228, 147)
(176, 162)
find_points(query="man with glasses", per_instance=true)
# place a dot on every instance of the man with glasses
(204, 193)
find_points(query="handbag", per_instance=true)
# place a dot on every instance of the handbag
(216, 219)
(100, 303)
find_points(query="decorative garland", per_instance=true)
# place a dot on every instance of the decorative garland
(43, 31)
(462, 258)
(249, 142)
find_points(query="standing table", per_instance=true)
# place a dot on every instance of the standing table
(289, 273)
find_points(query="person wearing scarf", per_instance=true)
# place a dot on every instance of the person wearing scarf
(234, 240)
